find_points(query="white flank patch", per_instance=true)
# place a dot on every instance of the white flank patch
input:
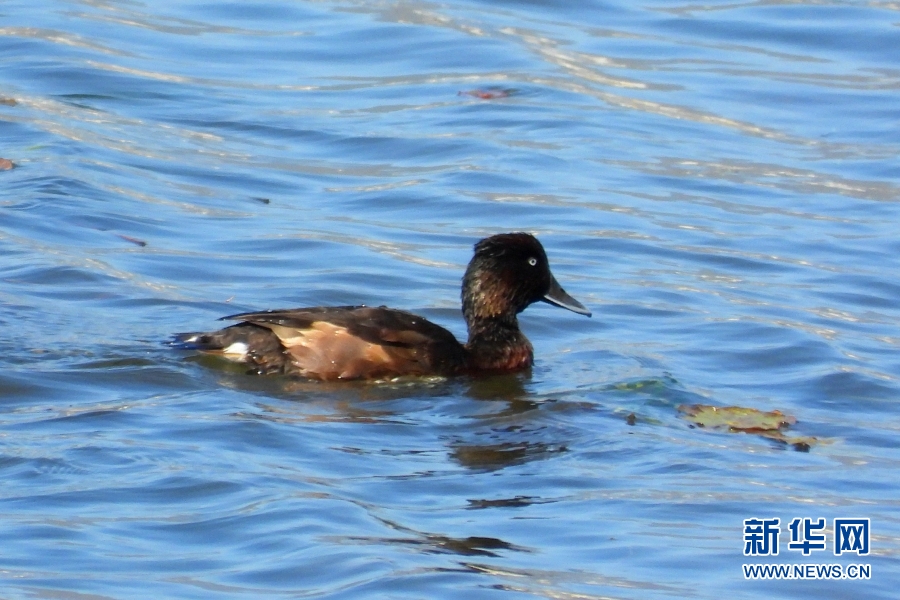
(236, 351)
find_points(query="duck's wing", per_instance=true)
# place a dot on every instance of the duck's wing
(351, 342)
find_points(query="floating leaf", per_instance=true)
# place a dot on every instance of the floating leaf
(6, 164)
(489, 93)
(630, 386)
(133, 240)
(770, 425)
(735, 418)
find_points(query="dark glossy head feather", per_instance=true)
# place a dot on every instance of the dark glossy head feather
(508, 272)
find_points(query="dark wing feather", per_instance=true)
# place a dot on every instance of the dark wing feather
(293, 317)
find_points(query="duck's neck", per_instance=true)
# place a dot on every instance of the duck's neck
(497, 344)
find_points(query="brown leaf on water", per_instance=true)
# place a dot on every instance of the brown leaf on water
(740, 419)
(8, 101)
(133, 240)
(6, 164)
(488, 93)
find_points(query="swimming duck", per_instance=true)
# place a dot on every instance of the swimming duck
(508, 272)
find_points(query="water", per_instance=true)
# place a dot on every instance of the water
(718, 182)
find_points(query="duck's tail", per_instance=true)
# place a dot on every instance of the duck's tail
(243, 343)
(231, 343)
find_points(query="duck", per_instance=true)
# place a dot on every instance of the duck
(508, 272)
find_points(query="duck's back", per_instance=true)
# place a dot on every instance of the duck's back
(343, 342)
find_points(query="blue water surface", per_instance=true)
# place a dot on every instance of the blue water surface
(717, 181)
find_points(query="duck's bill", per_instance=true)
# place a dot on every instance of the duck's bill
(558, 297)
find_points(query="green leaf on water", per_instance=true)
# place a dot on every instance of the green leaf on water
(735, 418)
(740, 419)
(643, 384)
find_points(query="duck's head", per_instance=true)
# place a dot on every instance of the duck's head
(509, 272)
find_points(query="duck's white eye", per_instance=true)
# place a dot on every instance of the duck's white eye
(532, 261)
